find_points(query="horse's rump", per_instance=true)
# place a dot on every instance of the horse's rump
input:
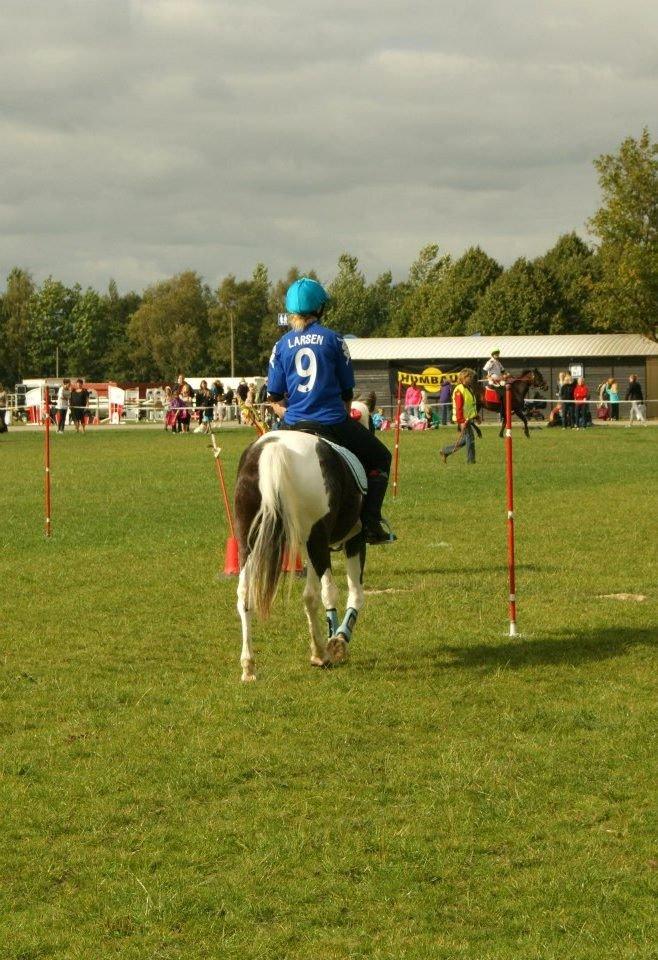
(293, 497)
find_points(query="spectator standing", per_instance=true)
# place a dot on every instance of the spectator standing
(613, 396)
(445, 399)
(412, 399)
(3, 409)
(185, 412)
(217, 394)
(241, 393)
(566, 398)
(78, 405)
(465, 415)
(581, 396)
(635, 395)
(604, 396)
(204, 406)
(242, 390)
(228, 402)
(175, 412)
(168, 421)
(63, 397)
(181, 382)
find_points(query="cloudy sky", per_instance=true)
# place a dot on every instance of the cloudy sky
(143, 137)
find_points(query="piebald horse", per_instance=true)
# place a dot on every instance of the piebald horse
(295, 493)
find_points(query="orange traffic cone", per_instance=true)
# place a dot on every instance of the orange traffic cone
(231, 560)
(290, 566)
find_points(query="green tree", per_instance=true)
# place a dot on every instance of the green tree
(573, 266)
(169, 330)
(118, 361)
(51, 331)
(413, 308)
(16, 325)
(237, 317)
(381, 295)
(350, 305)
(626, 226)
(454, 298)
(89, 331)
(523, 300)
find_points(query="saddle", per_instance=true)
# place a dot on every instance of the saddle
(353, 463)
(491, 395)
(350, 459)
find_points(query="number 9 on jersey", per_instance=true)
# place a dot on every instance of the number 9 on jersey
(306, 367)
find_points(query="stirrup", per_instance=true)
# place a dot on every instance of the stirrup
(378, 531)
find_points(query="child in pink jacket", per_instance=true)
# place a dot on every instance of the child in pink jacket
(412, 400)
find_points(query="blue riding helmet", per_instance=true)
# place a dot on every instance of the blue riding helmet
(306, 296)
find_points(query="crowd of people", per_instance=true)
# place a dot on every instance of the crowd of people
(421, 413)
(574, 409)
(215, 404)
(209, 404)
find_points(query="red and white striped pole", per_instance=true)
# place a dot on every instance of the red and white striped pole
(231, 559)
(509, 477)
(46, 458)
(396, 450)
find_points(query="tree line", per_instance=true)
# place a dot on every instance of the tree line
(181, 324)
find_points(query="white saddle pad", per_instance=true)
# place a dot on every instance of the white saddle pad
(353, 462)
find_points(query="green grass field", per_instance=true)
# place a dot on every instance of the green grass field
(450, 793)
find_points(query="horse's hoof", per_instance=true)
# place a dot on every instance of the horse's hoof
(338, 650)
(320, 662)
(248, 672)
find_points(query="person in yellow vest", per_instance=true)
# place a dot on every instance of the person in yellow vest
(465, 415)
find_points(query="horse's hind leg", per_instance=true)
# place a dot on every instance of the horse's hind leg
(524, 420)
(247, 655)
(312, 604)
(330, 600)
(355, 553)
(336, 646)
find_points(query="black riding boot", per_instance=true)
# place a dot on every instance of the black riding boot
(374, 529)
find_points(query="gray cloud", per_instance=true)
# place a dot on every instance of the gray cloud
(141, 138)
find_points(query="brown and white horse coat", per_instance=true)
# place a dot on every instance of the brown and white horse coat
(294, 493)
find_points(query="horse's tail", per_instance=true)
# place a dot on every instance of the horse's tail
(275, 527)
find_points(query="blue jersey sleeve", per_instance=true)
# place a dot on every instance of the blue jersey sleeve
(276, 378)
(344, 367)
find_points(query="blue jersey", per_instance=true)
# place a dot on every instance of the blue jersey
(313, 366)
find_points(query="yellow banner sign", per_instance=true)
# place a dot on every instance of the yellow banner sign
(429, 379)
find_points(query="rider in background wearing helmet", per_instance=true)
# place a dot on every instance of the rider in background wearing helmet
(496, 377)
(495, 371)
(311, 368)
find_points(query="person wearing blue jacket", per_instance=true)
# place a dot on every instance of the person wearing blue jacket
(310, 385)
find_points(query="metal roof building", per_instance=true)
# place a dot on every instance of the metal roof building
(600, 356)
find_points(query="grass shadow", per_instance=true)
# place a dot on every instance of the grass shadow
(566, 647)
(458, 571)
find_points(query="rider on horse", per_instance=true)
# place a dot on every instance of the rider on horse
(496, 376)
(311, 366)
